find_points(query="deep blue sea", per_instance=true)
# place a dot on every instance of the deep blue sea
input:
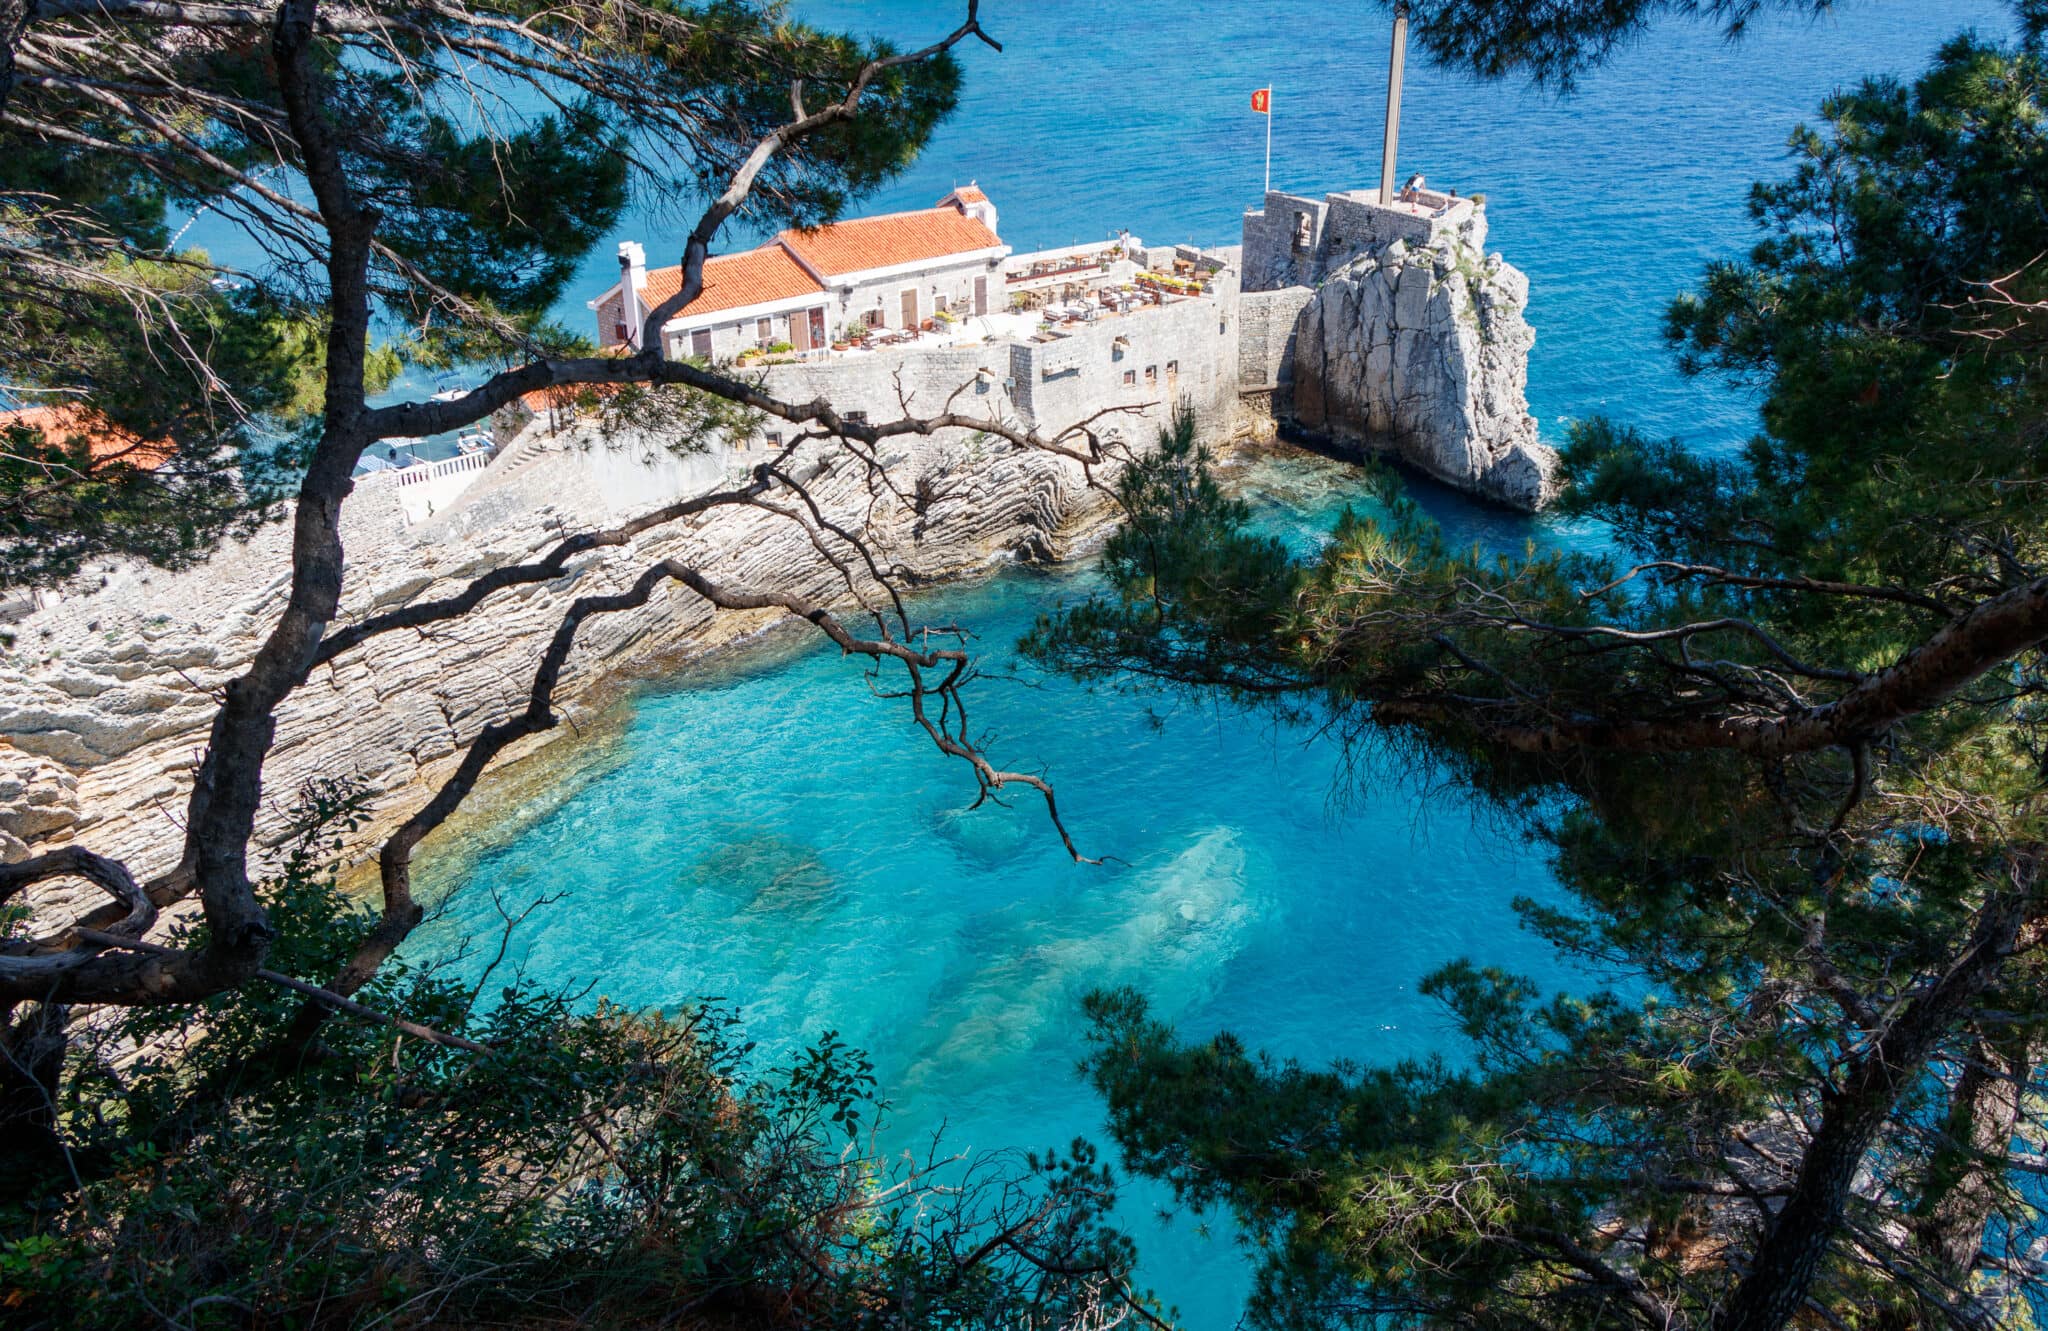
(762, 830)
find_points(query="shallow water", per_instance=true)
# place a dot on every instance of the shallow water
(764, 831)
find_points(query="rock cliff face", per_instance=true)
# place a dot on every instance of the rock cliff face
(1422, 351)
(105, 698)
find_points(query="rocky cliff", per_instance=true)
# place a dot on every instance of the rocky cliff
(105, 697)
(1422, 351)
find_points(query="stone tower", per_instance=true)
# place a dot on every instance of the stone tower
(1412, 341)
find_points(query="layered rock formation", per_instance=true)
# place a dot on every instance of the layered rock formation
(1421, 350)
(105, 698)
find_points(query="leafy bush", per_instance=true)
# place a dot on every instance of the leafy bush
(596, 1165)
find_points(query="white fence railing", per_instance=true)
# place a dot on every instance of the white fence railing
(432, 471)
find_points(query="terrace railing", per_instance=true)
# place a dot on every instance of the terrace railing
(432, 471)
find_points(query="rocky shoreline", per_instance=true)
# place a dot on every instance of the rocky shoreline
(1414, 345)
(105, 697)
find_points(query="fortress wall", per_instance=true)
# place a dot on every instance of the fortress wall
(1050, 385)
(1265, 342)
(1341, 227)
(1270, 259)
(1356, 222)
(883, 382)
(1175, 353)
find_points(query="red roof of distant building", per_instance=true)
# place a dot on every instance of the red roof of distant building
(968, 193)
(883, 242)
(735, 280)
(774, 273)
(62, 422)
(567, 395)
(563, 396)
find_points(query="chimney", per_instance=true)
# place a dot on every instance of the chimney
(632, 287)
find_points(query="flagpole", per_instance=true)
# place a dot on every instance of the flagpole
(1269, 140)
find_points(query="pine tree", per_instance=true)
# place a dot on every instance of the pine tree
(1785, 749)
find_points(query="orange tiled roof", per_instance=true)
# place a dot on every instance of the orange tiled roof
(60, 423)
(566, 395)
(735, 280)
(879, 242)
(967, 194)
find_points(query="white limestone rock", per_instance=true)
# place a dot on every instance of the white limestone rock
(1424, 353)
(106, 696)
(38, 799)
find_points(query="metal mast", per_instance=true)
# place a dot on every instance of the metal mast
(1394, 72)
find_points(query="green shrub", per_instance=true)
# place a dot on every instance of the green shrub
(598, 1166)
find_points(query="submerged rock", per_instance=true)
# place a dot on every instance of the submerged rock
(1169, 928)
(768, 873)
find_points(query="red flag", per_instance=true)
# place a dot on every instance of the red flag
(1262, 101)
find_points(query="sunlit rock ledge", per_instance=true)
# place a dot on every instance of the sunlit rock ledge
(105, 697)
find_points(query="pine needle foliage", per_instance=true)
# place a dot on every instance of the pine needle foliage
(1783, 745)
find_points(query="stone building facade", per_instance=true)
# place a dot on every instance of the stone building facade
(804, 290)
(1380, 328)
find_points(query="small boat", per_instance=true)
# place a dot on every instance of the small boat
(475, 443)
(449, 388)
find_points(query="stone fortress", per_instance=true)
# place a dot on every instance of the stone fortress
(1380, 328)
(1372, 327)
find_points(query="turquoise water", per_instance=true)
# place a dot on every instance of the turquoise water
(764, 831)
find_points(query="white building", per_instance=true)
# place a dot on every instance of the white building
(807, 289)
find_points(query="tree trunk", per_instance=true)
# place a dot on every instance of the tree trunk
(13, 22)
(1782, 1271)
(1964, 1179)
(32, 1048)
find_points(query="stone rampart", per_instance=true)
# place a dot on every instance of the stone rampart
(1265, 345)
